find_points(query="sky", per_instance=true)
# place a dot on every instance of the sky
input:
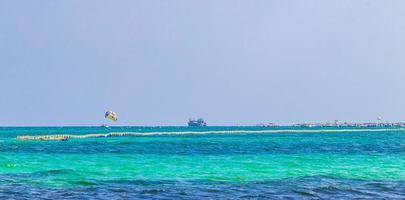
(232, 62)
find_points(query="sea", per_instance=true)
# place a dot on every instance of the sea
(204, 163)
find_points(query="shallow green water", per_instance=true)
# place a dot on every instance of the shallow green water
(208, 161)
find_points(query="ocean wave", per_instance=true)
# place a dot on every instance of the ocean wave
(128, 134)
(313, 187)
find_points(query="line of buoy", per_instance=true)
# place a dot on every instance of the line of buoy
(66, 137)
(43, 137)
(125, 134)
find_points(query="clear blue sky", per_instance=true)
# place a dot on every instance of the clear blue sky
(161, 62)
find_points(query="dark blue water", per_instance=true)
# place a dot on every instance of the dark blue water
(294, 188)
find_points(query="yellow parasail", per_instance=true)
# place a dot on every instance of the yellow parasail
(112, 116)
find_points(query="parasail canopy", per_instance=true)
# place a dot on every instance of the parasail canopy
(112, 116)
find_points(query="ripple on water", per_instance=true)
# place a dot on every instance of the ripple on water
(203, 166)
(296, 188)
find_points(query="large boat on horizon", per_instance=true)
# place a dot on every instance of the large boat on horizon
(196, 123)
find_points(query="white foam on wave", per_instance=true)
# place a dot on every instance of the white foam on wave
(125, 134)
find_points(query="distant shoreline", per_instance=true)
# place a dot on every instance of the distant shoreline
(335, 124)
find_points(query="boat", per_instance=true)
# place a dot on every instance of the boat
(267, 125)
(197, 123)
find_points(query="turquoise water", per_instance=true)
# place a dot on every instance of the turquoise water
(241, 162)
